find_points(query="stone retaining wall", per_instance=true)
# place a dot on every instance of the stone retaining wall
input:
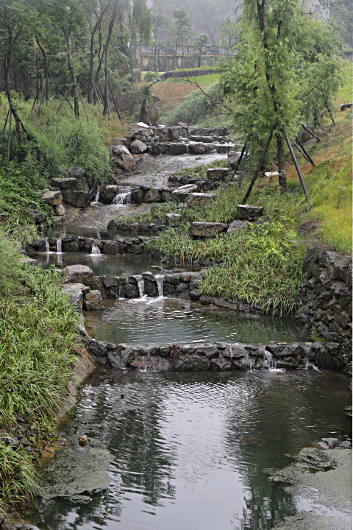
(70, 243)
(326, 297)
(218, 356)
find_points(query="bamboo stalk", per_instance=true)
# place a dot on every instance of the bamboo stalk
(296, 164)
(258, 168)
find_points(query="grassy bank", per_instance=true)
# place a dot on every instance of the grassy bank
(38, 329)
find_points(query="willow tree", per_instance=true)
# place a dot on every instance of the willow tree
(284, 57)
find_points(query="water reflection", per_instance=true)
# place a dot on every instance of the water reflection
(172, 321)
(188, 449)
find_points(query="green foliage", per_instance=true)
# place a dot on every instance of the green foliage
(200, 171)
(9, 255)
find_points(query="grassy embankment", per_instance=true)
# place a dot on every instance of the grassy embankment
(264, 265)
(38, 329)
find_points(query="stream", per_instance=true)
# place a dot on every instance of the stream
(180, 450)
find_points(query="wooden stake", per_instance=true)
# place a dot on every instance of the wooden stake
(115, 105)
(83, 105)
(311, 132)
(258, 168)
(65, 97)
(59, 87)
(296, 164)
(9, 141)
(305, 153)
(243, 151)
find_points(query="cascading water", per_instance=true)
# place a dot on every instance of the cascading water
(309, 365)
(96, 198)
(269, 359)
(140, 284)
(59, 246)
(95, 250)
(159, 280)
(47, 245)
(123, 196)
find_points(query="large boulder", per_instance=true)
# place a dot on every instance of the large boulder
(54, 198)
(178, 149)
(93, 301)
(245, 212)
(123, 159)
(77, 274)
(141, 134)
(59, 210)
(233, 157)
(198, 199)
(180, 194)
(137, 147)
(78, 199)
(198, 229)
(76, 291)
(107, 193)
(201, 149)
(217, 174)
(78, 174)
(64, 183)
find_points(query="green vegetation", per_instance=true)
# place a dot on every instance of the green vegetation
(38, 327)
(197, 106)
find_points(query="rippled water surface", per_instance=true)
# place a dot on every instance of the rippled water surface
(101, 263)
(172, 321)
(187, 451)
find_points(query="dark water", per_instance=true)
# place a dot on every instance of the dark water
(91, 232)
(187, 450)
(172, 321)
(101, 263)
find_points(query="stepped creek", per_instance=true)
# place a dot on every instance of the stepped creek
(182, 450)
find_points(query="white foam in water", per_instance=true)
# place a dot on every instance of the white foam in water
(269, 359)
(95, 250)
(311, 366)
(59, 246)
(47, 245)
(123, 196)
(159, 280)
(96, 198)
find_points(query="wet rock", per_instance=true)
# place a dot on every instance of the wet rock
(77, 274)
(12, 441)
(36, 215)
(59, 210)
(152, 195)
(142, 134)
(108, 193)
(236, 226)
(172, 219)
(64, 183)
(235, 351)
(77, 199)
(178, 149)
(93, 301)
(192, 363)
(75, 172)
(209, 350)
(54, 198)
(110, 247)
(201, 148)
(195, 295)
(76, 293)
(233, 157)
(207, 230)
(345, 445)
(112, 225)
(174, 133)
(181, 287)
(220, 364)
(218, 174)
(201, 139)
(205, 300)
(249, 213)
(123, 159)
(198, 199)
(137, 147)
(331, 442)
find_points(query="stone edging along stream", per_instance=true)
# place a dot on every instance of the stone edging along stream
(218, 356)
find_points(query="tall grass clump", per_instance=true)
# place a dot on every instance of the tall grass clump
(38, 329)
(197, 106)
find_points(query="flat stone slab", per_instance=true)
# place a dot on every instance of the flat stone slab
(196, 199)
(207, 230)
(65, 183)
(54, 198)
(77, 274)
(180, 194)
(218, 173)
(249, 213)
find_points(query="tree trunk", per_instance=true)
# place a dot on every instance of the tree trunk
(45, 71)
(73, 77)
(106, 109)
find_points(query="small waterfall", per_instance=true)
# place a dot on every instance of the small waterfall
(309, 365)
(269, 359)
(46, 245)
(159, 280)
(140, 284)
(96, 198)
(123, 196)
(95, 250)
(59, 246)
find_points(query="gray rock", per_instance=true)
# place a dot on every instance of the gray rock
(207, 230)
(181, 193)
(77, 274)
(198, 199)
(77, 199)
(59, 210)
(64, 183)
(75, 292)
(236, 226)
(75, 172)
(201, 149)
(112, 225)
(137, 147)
(249, 213)
(217, 174)
(201, 139)
(123, 159)
(172, 219)
(233, 157)
(108, 193)
(93, 301)
(178, 149)
(209, 350)
(54, 198)
(190, 363)
(331, 442)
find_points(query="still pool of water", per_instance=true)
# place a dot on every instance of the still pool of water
(172, 321)
(187, 451)
(100, 263)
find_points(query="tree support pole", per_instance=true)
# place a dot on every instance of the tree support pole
(296, 164)
(258, 168)
(9, 141)
(96, 92)
(243, 151)
(59, 87)
(83, 105)
(305, 152)
(115, 105)
(65, 97)
(311, 132)
(7, 117)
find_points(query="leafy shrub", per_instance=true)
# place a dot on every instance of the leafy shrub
(197, 106)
